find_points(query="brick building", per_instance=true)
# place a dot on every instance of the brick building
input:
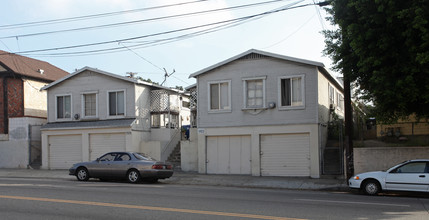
(21, 100)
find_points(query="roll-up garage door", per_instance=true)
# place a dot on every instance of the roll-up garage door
(100, 144)
(64, 151)
(285, 155)
(228, 155)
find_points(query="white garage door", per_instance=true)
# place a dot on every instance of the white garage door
(285, 155)
(100, 144)
(228, 155)
(64, 151)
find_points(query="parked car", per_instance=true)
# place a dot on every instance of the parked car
(412, 175)
(131, 166)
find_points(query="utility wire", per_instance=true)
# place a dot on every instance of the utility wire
(141, 56)
(163, 33)
(138, 21)
(71, 19)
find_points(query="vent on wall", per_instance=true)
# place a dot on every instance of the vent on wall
(253, 56)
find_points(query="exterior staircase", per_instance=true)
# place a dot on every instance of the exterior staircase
(175, 158)
(333, 159)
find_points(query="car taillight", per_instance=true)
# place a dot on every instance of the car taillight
(162, 167)
(157, 167)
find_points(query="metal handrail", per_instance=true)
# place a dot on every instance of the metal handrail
(167, 146)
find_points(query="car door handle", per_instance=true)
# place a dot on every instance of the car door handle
(422, 176)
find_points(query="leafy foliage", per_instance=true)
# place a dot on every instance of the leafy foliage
(383, 47)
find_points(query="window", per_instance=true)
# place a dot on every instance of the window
(291, 92)
(417, 167)
(254, 93)
(89, 105)
(63, 107)
(331, 94)
(220, 96)
(116, 103)
(340, 101)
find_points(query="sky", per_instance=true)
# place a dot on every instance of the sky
(155, 37)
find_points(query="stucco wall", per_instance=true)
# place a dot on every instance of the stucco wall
(381, 158)
(35, 103)
(14, 152)
(189, 152)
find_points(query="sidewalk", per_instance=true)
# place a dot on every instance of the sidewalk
(186, 178)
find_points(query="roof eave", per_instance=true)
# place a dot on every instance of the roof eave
(293, 59)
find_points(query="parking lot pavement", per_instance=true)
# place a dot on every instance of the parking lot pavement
(189, 178)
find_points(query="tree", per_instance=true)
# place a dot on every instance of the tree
(382, 46)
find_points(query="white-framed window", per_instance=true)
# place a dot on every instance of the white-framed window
(291, 92)
(116, 103)
(90, 105)
(63, 107)
(254, 92)
(219, 96)
(340, 102)
(331, 92)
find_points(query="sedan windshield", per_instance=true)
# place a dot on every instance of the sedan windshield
(142, 156)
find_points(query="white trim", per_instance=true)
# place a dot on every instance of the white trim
(263, 78)
(56, 107)
(108, 104)
(83, 104)
(279, 89)
(229, 109)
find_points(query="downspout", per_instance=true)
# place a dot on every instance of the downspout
(5, 108)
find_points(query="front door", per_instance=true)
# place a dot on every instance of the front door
(412, 176)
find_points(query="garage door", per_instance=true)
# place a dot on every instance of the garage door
(285, 155)
(64, 151)
(228, 155)
(100, 144)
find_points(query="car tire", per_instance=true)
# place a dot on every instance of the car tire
(82, 174)
(371, 187)
(133, 176)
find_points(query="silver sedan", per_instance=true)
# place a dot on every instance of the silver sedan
(131, 166)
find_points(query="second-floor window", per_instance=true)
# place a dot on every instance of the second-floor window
(63, 106)
(90, 104)
(254, 92)
(117, 103)
(220, 96)
(331, 94)
(291, 90)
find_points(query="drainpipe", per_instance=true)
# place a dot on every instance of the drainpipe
(5, 109)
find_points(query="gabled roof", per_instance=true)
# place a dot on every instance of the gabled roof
(30, 67)
(128, 79)
(264, 53)
(319, 65)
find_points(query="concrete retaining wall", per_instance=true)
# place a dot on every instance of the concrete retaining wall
(381, 158)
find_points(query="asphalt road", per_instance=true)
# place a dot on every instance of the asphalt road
(22, 198)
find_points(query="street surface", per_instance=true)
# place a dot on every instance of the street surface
(30, 198)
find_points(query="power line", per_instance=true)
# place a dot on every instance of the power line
(141, 56)
(160, 33)
(139, 21)
(85, 17)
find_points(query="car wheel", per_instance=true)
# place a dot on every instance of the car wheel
(82, 174)
(371, 187)
(133, 176)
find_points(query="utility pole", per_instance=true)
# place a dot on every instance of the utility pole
(348, 118)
